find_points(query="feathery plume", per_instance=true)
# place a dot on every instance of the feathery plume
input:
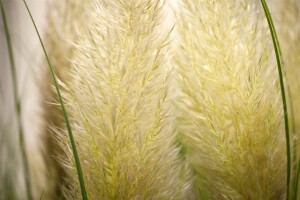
(65, 21)
(119, 103)
(231, 118)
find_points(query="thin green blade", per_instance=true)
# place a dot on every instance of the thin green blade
(74, 149)
(282, 88)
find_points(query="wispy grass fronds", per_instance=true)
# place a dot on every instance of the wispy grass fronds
(18, 106)
(231, 117)
(282, 88)
(72, 141)
(65, 19)
(120, 106)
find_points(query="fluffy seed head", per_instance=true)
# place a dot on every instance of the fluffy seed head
(231, 118)
(119, 103)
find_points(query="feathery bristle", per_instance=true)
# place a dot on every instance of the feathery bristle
(65, 21)
(120, 107)
(231, 118)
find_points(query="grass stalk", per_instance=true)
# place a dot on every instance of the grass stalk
(74, 149)
(18, 105)
(296, 182)
(279, 65)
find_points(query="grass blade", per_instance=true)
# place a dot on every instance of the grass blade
(42, 195)
(296, 182)
(18, 105)
(279, 65)
(74, 149)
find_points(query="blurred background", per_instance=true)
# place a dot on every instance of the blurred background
(28, 59)
(27, 52)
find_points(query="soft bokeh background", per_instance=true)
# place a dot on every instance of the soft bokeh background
(27, 52)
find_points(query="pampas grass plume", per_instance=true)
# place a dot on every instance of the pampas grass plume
(231, 119)
(120, 108)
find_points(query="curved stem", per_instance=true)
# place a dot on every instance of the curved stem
(279, 63)
(74, 149)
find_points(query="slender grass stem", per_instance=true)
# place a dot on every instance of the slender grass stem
(18, 105)
(279, 65)
(295, 197)
(293, 124)
(42, 195)
(74, 149)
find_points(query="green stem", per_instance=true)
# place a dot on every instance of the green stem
(18, 105)
(296, 182)
(74, 149)
(279, 62)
